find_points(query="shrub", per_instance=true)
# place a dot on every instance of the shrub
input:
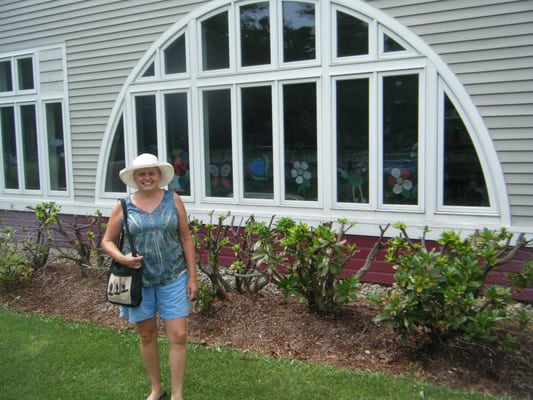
(308, 261)
(13, 266)
(441, 292)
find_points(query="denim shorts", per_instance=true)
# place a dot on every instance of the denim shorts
(169, 300)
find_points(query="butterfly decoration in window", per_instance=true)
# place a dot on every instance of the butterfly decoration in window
(220, 177)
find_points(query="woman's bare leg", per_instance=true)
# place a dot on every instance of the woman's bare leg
(177, 356)
(150, 353)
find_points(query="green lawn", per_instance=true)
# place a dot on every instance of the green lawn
(49, 358)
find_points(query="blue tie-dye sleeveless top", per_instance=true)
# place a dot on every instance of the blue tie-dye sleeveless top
(155, 236)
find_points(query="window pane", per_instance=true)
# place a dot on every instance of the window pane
(257, 142)
(464, 183)
(177, 135)
(150, 71)
(56, 146)
(300, 141)
(215, 42)
(390, 45)
(116, 162)
(352, 140)
(400, 139)
(175, 61)
(255, 34)
(25, 73)
(145, 117)
(217, 133)
(6, 79)
(298, 31)
(352, 36)
(29, 147)
(9, 147)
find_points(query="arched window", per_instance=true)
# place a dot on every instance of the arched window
(293, 106)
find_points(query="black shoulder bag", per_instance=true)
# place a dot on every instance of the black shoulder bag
(124, 284)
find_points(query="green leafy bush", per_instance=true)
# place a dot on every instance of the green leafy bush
(441, 292)
(13, 266)
(308, 261)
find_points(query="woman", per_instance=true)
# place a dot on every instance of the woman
(159, 226)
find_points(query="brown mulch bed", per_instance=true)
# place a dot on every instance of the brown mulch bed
(270, 324)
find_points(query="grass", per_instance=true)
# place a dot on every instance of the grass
(51, 358)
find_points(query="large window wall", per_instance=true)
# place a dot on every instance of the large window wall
(298, 104)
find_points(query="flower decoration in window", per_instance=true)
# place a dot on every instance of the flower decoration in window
(180, 182)
(259, 168)
(220, 177)
(302, 176)
(400, 183)
(356, 180)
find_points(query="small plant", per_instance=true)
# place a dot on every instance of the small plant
(210, 239)
(13, 266)
(441, 292)
(204, 297)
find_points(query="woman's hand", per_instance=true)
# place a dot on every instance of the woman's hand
(134, 262)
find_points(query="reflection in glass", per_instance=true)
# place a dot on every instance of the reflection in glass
(116, 161)
(298, 31)
(300, 141)
(255, 34)
(217, 134)
(177, 136)
(145, 117)
(352, 140)
(352, 36)
(9, 147)
(257, 142)
(28, 125)
(400, 139)
(6, 78)
(464, 183)
(390, 45)
(25, 73)
(215, 42)
(175, 61)
(56, 146)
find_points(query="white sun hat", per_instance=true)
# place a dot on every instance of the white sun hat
(147, 160)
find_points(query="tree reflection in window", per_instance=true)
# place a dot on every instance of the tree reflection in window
(352, 140)
(298, 31)
(400, 139)
(257, 142)
(464, 183)
(255, 34)
(352, 36)
(117, 161)
(215, 42)
(218, 146)
(300, 141)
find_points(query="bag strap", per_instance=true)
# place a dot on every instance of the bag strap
(125, 216)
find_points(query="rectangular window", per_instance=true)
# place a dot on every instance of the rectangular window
(6, 76)
(25, 73)
(28, 125)
(177, 135)
(146, 123)
(215, 42)
(400, 139)
(255, 34)
(300, 141)
(9, 147)
(299, 41)
(352, 140)
(56, 146)
(218, 146)
(257, 142)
